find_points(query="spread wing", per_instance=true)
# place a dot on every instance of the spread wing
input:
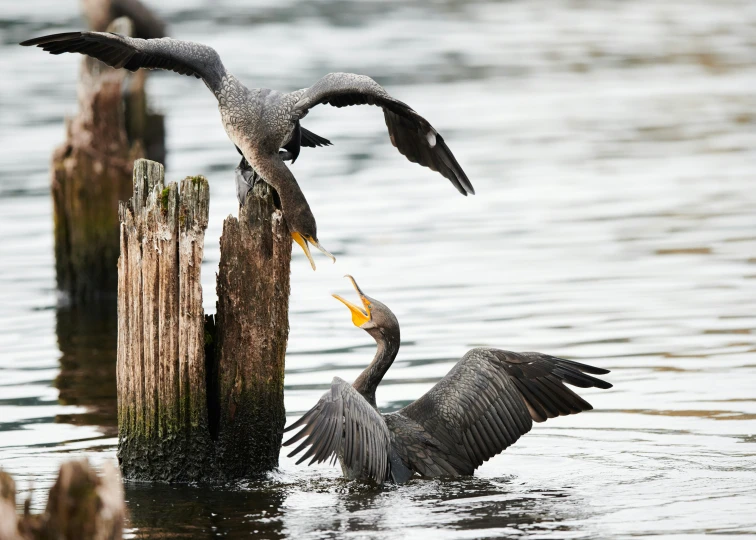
(491, 398)
(344, 424)
(184, 57)
(412, 134)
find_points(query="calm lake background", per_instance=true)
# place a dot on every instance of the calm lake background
(612, 146)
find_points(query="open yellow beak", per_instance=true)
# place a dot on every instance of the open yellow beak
(359, 316)
(302, 241)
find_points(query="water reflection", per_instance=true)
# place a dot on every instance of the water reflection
(87, 337)
(325, 507)
(193, 512)
(492, 507)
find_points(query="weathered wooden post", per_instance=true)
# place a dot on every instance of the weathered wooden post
(199, 400)
(81, 506)
(252, 329)
(92, 172)
(162, 399)
(8, 518)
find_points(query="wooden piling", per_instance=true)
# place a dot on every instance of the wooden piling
(92, 172)
(253, 329)
(162, 418)
(199, 400)
(81, 506)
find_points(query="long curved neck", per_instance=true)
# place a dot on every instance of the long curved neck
(371, 377)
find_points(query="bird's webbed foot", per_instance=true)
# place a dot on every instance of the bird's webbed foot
(285, 155)
(246, 177)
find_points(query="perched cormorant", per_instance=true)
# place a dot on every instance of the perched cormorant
(100, 13)
(260, 121)
(483, 405)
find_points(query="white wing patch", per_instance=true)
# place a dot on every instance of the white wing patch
(431, 136)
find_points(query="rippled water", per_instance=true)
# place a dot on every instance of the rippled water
(612, 146)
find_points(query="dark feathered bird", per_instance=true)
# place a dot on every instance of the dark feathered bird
(260, 121)
(100, 13)
(486, 402)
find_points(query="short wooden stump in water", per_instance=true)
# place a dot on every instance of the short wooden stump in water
(199, 398)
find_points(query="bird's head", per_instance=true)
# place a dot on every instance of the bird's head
(304, 230)
(374, 317)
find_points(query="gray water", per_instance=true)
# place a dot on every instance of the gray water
(613, 149)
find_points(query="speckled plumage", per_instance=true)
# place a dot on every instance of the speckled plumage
(487, 401)
(261, 121)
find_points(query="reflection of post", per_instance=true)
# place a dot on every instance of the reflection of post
(197, 512)
(92, 172)
(87, 342)
(199, 401)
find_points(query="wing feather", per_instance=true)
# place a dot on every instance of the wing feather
(311, 140)
(491, 398)
(343, 424)
(410, 133)
(183, 57)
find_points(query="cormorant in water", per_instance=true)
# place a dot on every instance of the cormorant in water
(487, 401)
(260, 121)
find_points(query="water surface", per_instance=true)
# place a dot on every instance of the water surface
(612, 147)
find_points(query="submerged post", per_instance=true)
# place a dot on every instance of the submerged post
(197, 400)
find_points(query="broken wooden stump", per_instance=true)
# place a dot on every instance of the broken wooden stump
(199, 400)
(92, 173)
(252, 331)
(81, 506)
(162, 399)
(8, 517)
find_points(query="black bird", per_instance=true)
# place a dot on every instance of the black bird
(486, 402)
(260, 121)
(100, 13)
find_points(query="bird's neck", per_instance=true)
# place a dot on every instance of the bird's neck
(371, 377)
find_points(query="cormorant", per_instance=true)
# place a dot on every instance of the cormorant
(100, 13)
(487, 401)
(260, 121)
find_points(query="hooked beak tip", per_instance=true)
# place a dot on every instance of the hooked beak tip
(322, 249)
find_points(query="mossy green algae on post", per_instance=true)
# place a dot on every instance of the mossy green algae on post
(163, 433)
(199, 399)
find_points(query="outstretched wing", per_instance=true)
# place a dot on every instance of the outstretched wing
(490, 399)
(184, 57)
(344, 424)
(412, 134)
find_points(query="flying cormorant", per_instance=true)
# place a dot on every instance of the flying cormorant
(260, 121)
